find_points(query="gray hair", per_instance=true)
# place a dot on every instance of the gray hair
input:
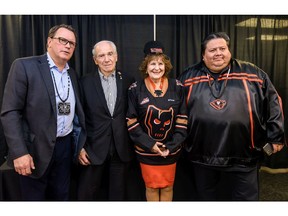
(104, 41)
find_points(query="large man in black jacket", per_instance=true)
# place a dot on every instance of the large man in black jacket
(233, 110)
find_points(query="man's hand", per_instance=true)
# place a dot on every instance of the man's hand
(24, 165)
(83, 157)
(277, 147)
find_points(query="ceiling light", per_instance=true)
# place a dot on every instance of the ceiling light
(265, 23)
(270, 37)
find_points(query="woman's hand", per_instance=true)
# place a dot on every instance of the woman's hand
(161, 149)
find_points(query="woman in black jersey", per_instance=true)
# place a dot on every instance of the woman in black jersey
(157, 122)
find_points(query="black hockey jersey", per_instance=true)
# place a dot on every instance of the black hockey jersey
(157, 120)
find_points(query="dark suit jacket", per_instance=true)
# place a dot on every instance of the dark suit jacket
(29, 115)
(101, 126)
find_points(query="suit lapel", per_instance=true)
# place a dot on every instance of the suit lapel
(74, 81)
(99, 89)
(119, 83)
(47, 79)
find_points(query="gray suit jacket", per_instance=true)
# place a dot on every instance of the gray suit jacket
(29, 115)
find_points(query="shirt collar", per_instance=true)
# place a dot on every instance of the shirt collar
(103, 77)
(53, 65)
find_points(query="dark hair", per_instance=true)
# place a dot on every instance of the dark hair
(214, 35)
(151, 57)
(55, 28)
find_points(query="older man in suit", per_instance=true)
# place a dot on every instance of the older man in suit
(108, 148)
(41, 112)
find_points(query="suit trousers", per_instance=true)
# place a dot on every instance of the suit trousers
(105, 182)
(54, 185)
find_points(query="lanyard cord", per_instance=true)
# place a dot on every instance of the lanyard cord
(57, 88)
(222, 89)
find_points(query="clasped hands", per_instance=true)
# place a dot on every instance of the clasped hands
(161, 149)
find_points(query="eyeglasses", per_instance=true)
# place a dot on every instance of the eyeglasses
(64, 41)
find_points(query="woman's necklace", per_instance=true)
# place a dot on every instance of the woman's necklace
(218, 103)
(157, 92)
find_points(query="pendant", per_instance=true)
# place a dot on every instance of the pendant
(218, 104)
(63, 108)
(158, 92)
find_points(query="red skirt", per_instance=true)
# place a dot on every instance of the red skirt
(158, 176)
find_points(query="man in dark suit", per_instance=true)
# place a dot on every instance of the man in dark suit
(108, 148)
(41, 113)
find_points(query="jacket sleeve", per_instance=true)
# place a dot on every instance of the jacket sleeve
(275, 116)
(180, 130)
(137, 134)
(12, 110)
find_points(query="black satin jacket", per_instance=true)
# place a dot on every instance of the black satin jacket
(230, 118)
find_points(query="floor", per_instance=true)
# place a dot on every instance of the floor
(273, 184)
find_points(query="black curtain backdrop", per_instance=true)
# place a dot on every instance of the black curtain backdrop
(260, 39)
